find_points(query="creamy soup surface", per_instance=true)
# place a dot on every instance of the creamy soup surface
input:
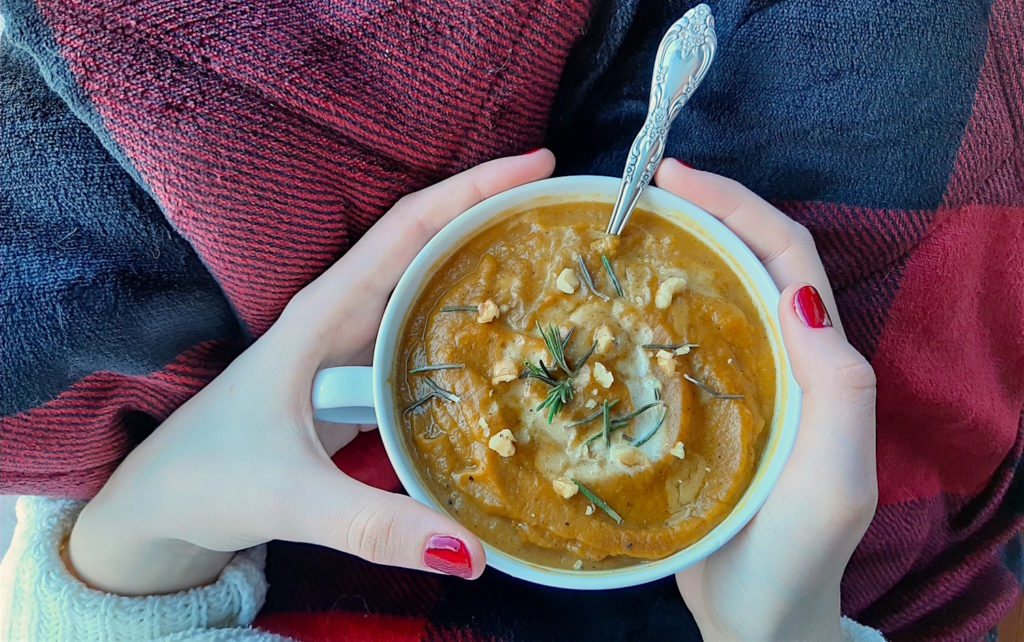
(517, 444)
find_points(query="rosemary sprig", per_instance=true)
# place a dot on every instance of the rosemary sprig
(611, 274)
(588, 280)
(440, 366)
(558, 396)
(600, 503)
(650, 433)
(586, 420)
(561, 390)
(441, 392)
(714, 393)
(668, 346)
(460, 308)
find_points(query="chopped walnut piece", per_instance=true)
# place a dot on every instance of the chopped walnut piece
(603, 337)
(487, 311)
(666, 361)
(602, 375)
(567, 281)
(628, 456)
(668, 288)
(564, 487)
(504, 371)
(503, 443)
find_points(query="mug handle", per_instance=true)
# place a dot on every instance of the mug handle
(344, 395)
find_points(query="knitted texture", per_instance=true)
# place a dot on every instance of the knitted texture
(41, 600)
(854, 632)
(268, 137)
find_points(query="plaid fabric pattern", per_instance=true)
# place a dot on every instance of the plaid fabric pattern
(175, 171)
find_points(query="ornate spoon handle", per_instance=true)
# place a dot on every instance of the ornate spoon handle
(683, 59)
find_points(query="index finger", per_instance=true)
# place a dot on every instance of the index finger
(388, 248)
(784, 246)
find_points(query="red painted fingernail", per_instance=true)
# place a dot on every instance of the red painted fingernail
(533, 151)
(449, 555)
(810, 308)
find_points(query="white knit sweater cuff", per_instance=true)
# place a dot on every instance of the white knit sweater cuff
(41, 600)
(854, 632)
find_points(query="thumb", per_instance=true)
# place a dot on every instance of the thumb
(835, 448)
(339, 512)
(824, 363)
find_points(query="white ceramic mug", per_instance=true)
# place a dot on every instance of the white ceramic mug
(363, 394)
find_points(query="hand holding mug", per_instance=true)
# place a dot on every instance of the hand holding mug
(779, 577)
(243, 462)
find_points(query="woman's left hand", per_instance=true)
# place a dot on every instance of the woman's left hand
(242, 462)
(779, 578)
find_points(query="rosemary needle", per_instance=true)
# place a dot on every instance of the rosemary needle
(460, 308)
(600, 503)
(620, 422)
(668, 346)
(607, 429)
(625, 419)
(643, 440)
(588, 280)
(440, 366)
(419, 402)
(586, 420)
(436, 392)
(611, 274)
(441, 392)
(714, 393)
(555, 345)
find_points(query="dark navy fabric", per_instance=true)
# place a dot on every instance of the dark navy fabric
(805, 100)
(93, 276)
(24, 30)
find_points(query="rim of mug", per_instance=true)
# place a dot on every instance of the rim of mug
(600, 189)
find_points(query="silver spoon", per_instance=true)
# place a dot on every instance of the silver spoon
(683, 59)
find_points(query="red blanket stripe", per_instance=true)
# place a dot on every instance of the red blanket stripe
(86, 436)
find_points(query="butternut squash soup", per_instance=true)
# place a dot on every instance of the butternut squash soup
(585, 401)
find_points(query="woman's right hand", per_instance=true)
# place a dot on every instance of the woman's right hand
(778, 579)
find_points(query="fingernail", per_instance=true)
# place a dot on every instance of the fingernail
(534, 151)
(686, 165)
(449, 555)
(810, 308)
